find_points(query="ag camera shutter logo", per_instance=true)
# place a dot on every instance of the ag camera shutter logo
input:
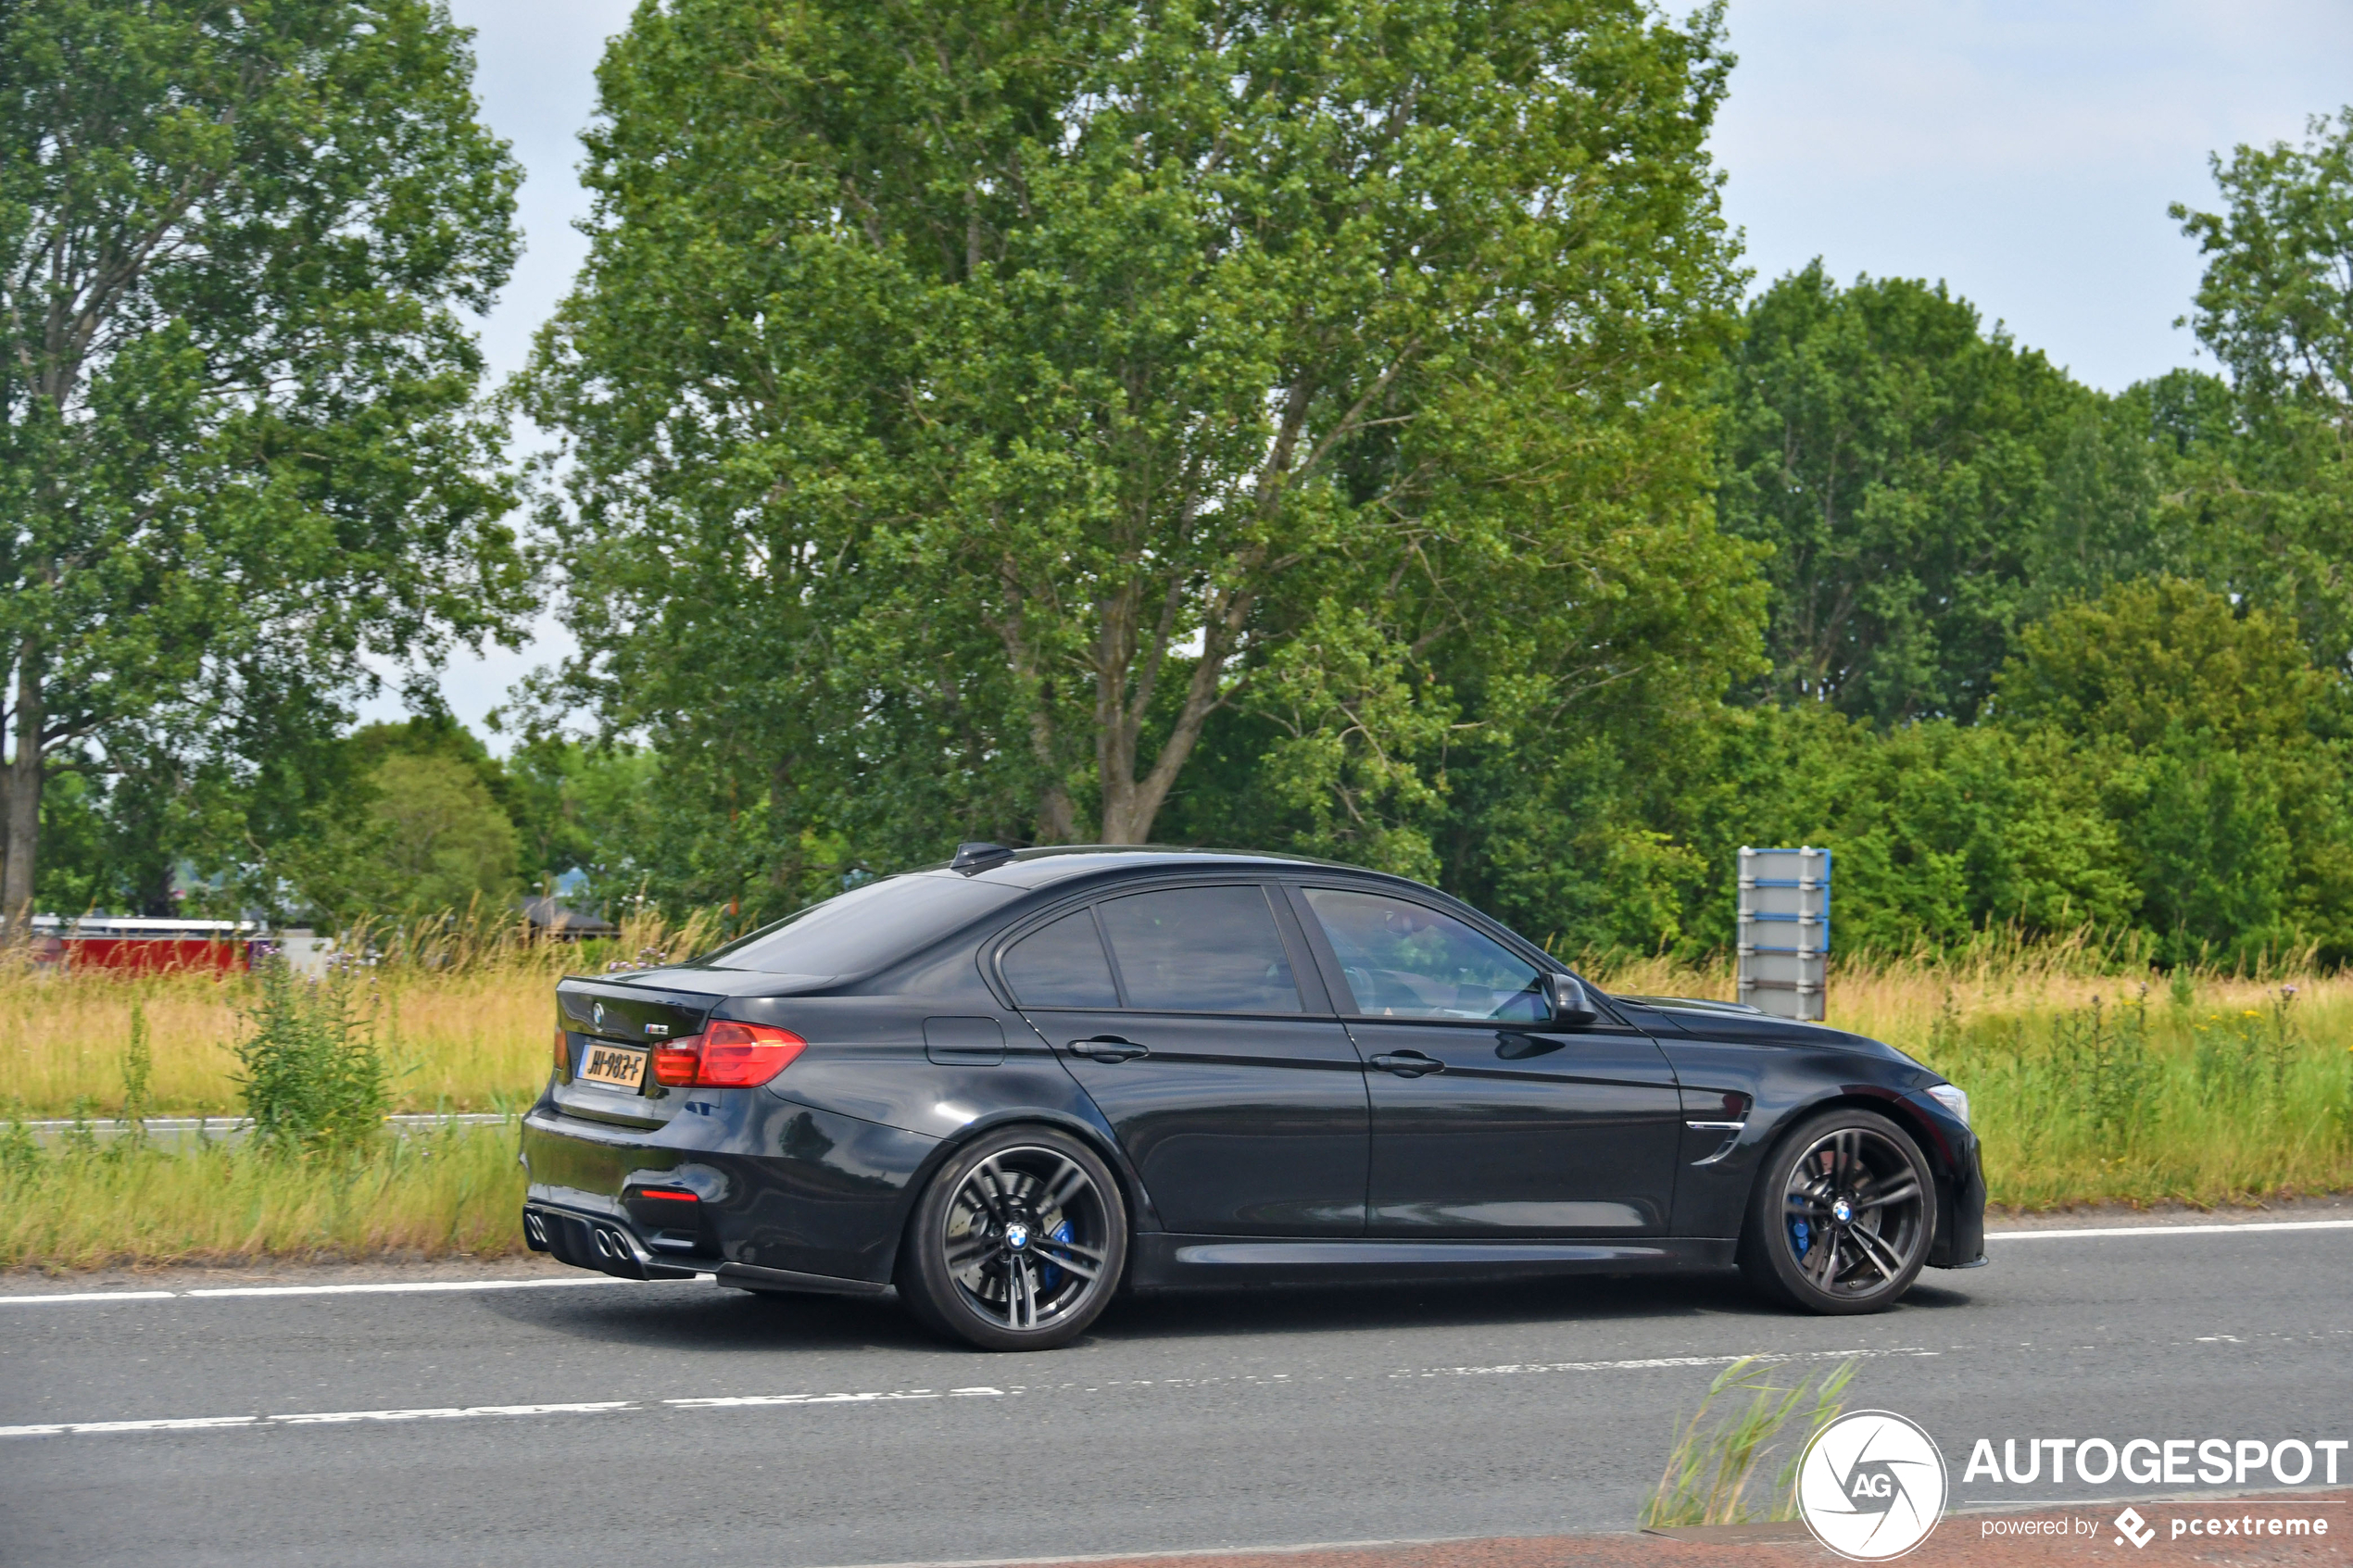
(1871, 1485)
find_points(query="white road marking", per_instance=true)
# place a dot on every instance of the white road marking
(396, 1288)
(448, 1412)
(453, 1412)
(409, 1288)
(184, 1424)
(740, 1402)
(894, 1395)
(1647, 1364)
(2173, 1229)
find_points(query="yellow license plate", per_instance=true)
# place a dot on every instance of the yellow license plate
(615, 1065)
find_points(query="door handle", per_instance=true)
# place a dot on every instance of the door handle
(1110, 1048)
(1408, 1064)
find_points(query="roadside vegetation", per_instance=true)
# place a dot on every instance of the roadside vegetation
(1713, 1468)
(2092, 1078)
(445, 1016)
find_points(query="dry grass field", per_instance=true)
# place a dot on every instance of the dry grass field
(2085, 1086)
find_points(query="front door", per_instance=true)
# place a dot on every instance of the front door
(1243, 1112)
(1487, 1119)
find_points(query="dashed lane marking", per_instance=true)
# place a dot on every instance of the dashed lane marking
(894, 1395)
(463, 1413)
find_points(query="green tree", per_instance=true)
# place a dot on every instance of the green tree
(1904, 466)
(446, 842)
(969, 405)
(2217, 750)
(2153, 656)
(588, 810)
(2273, 504)
(1940, 830)
(417, 832)
(239, 451)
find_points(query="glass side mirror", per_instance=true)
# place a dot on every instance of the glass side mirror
(1570, 1004)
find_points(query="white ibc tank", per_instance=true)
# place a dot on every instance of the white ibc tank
(1785, 930)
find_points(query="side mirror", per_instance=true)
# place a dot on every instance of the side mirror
(1570, 1004)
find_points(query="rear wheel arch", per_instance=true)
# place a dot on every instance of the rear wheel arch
(1140, 1215)
(976, 1260)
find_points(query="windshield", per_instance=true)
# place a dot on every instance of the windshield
(861, 931)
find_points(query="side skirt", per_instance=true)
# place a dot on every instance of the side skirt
(1160, 1260)
(751, 1276)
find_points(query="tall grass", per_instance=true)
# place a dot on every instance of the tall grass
(1716, 1458)
(462, 1010)
(87, 1206)
(2088, 1085)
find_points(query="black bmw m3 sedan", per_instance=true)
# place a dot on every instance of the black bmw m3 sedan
(1012, 1086)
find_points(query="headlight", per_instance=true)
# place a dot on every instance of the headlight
(1951, 1099)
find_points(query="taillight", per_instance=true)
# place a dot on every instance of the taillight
(563, 1053)
(726, 1056)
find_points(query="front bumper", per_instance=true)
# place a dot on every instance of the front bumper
(1960, 1223)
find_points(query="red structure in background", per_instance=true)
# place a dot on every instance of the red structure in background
(148, 946)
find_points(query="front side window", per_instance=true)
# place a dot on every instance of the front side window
(1404, 960)
(1199, 950)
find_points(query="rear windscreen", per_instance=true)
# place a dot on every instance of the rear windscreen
(865, 929)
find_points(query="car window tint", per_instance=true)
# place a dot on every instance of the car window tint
(861, 931)
(1199, 950)
(1404, 960)
(1061, 965)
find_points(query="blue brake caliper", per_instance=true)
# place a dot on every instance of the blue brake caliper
(1046, 1273)
(1801, 1235)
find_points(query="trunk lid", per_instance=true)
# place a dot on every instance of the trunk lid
(618, 1013)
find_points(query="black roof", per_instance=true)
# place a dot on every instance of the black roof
(1049, 864)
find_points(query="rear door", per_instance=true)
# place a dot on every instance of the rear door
(1488, 1119)
(1234, 1090)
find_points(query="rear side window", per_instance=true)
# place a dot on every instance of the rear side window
(1061, 965)
(1404, 960)
(862, 931)
(1199, 950)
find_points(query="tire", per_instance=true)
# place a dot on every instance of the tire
(1841, 1215)
(1017, 1243)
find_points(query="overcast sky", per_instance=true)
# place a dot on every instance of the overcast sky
(2022, 152)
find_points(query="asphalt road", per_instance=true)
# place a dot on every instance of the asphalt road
(1181, 1422)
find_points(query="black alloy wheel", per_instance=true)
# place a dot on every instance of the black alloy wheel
(1019, 1242)
(1841, 1215)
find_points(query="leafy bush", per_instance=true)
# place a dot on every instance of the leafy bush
(314, 1081)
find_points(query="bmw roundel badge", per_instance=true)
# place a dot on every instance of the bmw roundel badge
(599, 1015)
